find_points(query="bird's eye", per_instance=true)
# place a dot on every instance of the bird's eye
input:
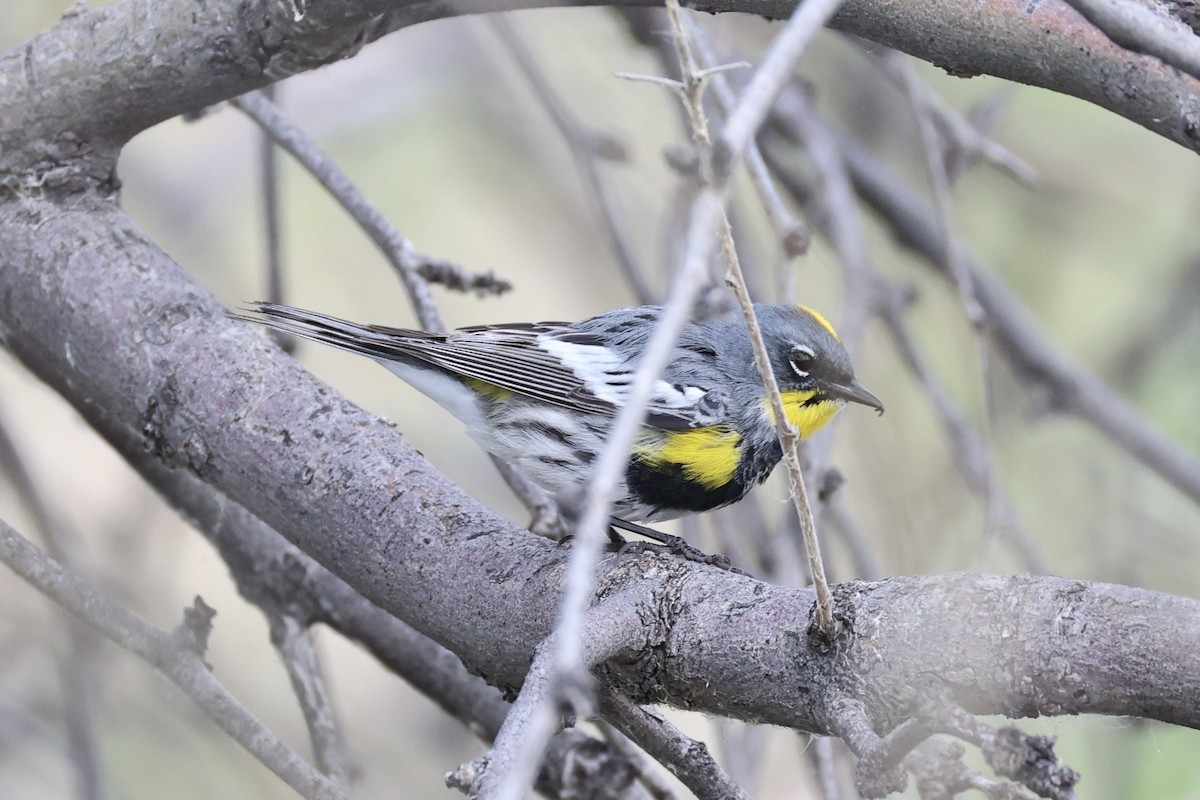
(802, 359)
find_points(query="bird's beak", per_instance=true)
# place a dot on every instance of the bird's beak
(853, 391)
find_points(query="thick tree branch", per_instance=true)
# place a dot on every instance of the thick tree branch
(106, 318)
(114, 325)
(280, 580)
(76, 93)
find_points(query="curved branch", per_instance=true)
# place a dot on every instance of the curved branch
(118, 329)
(73, 95)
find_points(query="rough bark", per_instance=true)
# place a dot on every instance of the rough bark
(105, 317)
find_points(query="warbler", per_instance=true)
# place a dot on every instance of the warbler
(543, 395)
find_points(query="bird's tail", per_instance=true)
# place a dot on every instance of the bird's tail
(369, 340)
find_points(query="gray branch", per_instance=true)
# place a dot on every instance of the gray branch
(173, 653)
(122, 332)
(101, 314)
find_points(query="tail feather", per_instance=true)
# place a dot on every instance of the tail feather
(394, 348)
(367, 340)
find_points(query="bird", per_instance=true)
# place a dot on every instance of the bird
(543, 396)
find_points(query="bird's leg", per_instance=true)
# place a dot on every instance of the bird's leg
(665, 543)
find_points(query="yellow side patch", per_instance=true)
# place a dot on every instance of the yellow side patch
(709, 456)
(821, 319)
(807, 420)
(488, 391)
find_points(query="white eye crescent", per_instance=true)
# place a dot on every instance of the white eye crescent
(802, 359)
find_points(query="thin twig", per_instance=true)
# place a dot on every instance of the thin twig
(606, 630)
(773, 73)
(397, 249)
(792, 233)
(76, 664)
(174, 654)
(588, 148)
(967, 138)
(294, 642)
(687, 759)
(935, 165)
(788, 438)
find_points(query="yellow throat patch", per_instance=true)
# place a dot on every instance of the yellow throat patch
(709, 456)
(807, 420)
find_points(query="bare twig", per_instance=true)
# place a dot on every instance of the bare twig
(792, 233)
(397, 249)
(772, 74)
(293, 639)
(788, 438)
(607, 629)
(687, 759)
(967, 139)
(76, 663)
(174, 654)
(939, 181)
(588, 148)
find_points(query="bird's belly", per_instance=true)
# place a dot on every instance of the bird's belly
(553, 447)
(669, 474)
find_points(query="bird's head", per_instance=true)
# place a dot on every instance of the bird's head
(811, 366)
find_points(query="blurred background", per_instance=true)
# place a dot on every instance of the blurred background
(439, 128)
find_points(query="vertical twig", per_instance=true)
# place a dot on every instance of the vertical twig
(588, 148)
(293, 639)
(788, 438)
(268, 159)
(75, 665)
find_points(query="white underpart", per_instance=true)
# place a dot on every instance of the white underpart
(607, 375)
(450, 393)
